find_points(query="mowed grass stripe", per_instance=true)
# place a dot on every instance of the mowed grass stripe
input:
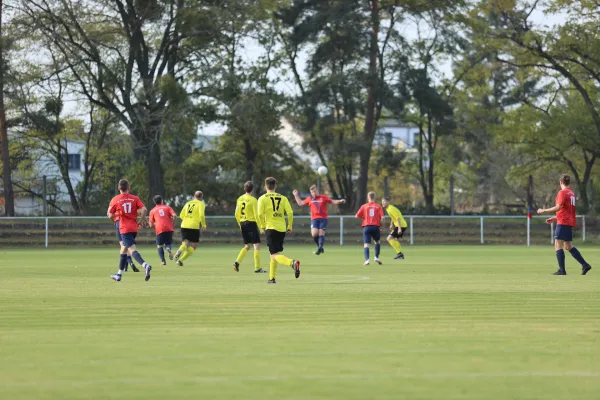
(479, 321)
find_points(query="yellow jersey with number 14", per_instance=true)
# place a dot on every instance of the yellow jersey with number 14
(272, 209)
(192, 214)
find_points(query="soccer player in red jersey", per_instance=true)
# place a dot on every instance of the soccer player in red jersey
(318, 214)
(566, 219)
(162, 218)
(127, 208)
(371, 213)
(116, 221)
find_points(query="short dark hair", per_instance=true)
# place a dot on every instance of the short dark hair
(371, 196)
(271, 183)
(312, 187)
(565, 179)
(123, 185)
(157, 199)
(248, 187)
(199, 195)
(386, 198)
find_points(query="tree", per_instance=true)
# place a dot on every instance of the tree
(9, 204)
(128, 58)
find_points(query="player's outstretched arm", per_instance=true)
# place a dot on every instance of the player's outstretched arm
(297, 198)
(336, 202)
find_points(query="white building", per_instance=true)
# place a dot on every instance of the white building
(56, 189)
(402, 135)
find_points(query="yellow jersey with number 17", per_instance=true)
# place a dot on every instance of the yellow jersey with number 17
(192, 214)
(272, 208)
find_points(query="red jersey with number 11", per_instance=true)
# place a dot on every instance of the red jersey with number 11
(126, 207)
(566, 215)
(371, 214)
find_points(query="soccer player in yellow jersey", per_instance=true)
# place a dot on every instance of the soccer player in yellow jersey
(192, 217)
(272, 208)
(246, 215)
(398, 224)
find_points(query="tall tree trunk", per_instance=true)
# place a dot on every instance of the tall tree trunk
(9, 197)
(370, 123)
(156, 184)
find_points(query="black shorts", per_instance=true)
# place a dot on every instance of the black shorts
(398, 235)
(191, 235)
(275, 240)
(250, 232)
(164, 238)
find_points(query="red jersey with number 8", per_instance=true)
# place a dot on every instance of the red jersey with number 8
(566, 215)
(371, 214)
(126, 207)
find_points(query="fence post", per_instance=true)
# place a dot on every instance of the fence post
(412, 239)
(46, 232)
(528, 231)
(341, 230)
(583, 230)
(552, 233)
(481, 229)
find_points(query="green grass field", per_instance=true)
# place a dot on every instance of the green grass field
(473, 322)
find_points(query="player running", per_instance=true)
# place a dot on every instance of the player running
(120, 239)
(192, 217)
(566, 219)
(371, 214)
(318, 214)
(399, 226)
(272, 208)
(246, 213)
(162, 218)
(128, 208)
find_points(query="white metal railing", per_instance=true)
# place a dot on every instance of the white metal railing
(413, 232)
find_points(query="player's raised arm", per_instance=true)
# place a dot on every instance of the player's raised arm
(299, 201)
(290, 214)
(340, 201)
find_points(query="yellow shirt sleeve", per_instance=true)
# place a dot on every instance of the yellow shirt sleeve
(289, 212)
(260, 213)
(202, 213)
(238, 211)
(261, 225)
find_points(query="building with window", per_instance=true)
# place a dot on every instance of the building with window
(28, 200)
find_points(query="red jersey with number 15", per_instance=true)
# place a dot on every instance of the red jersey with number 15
(371, 214)
(566, 215)
(162, 218)
(126, 207)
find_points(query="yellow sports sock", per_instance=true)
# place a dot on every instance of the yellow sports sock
(272, 269)
(399, 246)
(396, 245)
(187, 254)
(257, 259)
(281, 259)
(241, 256)
(182, 249)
